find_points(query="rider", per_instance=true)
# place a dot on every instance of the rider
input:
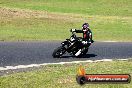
(87, 36)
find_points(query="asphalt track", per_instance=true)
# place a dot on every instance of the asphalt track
(25, 53)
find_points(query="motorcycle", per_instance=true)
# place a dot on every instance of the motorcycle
(72, 46)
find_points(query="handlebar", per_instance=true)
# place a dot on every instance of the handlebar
(71, 30)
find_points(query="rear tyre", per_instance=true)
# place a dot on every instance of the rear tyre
(59, 52)
(84, 52)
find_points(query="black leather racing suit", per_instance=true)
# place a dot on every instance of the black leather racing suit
(87, 35)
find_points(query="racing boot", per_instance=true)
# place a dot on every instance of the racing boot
(78, 52)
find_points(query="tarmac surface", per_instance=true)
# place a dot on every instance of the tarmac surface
(25, 53)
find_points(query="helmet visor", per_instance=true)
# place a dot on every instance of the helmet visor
(85, 26)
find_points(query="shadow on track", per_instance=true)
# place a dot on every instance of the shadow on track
(89, 55)
(85, 56)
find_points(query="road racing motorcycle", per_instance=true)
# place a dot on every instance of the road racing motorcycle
(72, 46)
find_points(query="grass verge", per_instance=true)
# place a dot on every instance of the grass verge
(63, 76)
(88, 7)
(110, 20)
(18, 24)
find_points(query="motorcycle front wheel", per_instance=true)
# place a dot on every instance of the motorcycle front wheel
(59, 52)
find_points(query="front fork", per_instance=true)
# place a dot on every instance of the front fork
(64, 44)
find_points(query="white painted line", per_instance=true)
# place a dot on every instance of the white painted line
(38, 65)
(122, 59)
(109, 41)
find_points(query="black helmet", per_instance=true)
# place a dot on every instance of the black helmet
(85, 26)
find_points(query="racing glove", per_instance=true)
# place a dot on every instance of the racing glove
(73, 30)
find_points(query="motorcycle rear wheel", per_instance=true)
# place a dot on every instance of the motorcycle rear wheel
(84, 52)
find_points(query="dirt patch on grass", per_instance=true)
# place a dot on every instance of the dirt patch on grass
(12, 13)
(7, 15)
(20, 13)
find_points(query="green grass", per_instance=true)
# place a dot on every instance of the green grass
(52, 19)
(32, 29)
(90, 7)
(63, 76)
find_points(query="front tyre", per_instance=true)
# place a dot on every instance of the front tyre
(59, 52)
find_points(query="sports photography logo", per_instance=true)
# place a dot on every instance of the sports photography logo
(83, 78)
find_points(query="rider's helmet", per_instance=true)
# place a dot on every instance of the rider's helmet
(85, 26)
